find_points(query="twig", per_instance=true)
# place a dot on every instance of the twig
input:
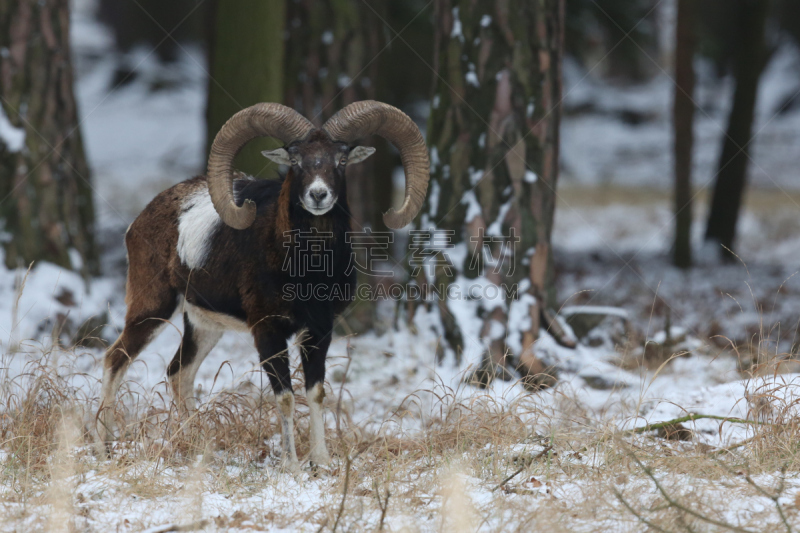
(523, 467)
(509, 478)
(733, 446)
(383, 505)
(682, 507)
(348, 462)
(774, 497)
(635, 513)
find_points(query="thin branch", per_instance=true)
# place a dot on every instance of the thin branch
(382, 504)
(523, 467)
(347, 463)
(635, 513)
(774, 497)
(682, 507)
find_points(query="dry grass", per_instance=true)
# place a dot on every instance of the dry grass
(481, 463)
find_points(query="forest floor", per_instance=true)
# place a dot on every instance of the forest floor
(414, 448)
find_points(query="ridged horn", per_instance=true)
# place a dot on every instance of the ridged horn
(368, 117)
(260, 120)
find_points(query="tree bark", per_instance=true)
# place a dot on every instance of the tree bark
(749, 60)
(493, 131)
(46, 206)
(683, 135)
(246, 58)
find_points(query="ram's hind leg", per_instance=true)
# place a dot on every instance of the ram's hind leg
(147, 315)
(314, 349)
(135, 337)
(195, 346)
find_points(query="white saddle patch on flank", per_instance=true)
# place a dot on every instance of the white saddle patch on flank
(197, 224)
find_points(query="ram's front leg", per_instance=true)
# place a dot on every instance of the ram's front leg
(314, 351)
(274, 355)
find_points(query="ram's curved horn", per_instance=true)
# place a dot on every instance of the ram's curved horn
(260, 120)
(361, 119)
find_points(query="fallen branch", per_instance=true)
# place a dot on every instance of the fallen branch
(172, 528)
(691, 418)
(523, 467)
(732, 446)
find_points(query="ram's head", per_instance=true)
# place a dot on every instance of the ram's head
(318, 169)
(318, 157)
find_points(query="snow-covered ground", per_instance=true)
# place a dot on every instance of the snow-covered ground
(612, 235)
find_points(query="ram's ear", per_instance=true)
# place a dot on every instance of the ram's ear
(359, 153)
(279, 156)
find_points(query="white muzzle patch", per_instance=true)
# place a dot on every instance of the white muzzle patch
(318, 198)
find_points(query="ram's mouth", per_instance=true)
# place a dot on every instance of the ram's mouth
(317, 211)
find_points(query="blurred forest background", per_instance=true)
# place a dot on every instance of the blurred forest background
(673, 124)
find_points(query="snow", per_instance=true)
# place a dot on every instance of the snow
(12, 137)
(433, 195)
(455, 33)
(392, 372)
(496, 227)
(593, 309)
(473, 207)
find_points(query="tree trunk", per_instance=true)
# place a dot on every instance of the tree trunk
(246, 59)
(683, 135)
(46, 207)
(493, 133)
(749, 60)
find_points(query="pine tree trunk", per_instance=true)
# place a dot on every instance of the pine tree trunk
(493, 131)
(246, 59)
(46, 207)
(683, 135)
(749, 61)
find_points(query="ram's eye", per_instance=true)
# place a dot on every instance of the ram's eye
(343, 161)
(293, 161)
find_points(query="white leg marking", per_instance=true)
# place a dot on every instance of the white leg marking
(289, 460)
(319, 451)
(197, 224)
(205, 319)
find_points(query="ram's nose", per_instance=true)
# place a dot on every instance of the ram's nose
(318, 195)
